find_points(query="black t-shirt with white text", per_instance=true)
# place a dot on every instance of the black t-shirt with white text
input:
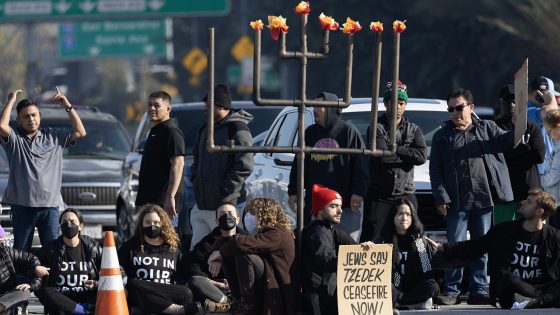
(164, 142)
(73, 271)
(527, 262)
(405, 249)
(153, 263)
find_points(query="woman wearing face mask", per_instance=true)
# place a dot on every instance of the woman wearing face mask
(413, 279)
(259, 267)
(70, 266)
(150, 259)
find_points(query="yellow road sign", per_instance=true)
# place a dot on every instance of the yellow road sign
(242, 48)
(195, 61)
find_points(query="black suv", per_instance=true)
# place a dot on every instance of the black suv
(91, 169)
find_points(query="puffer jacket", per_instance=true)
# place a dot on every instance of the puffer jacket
(217, 177)
(52, 254)
(14, 262)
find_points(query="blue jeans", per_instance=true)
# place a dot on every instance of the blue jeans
(24, 221)
(478, 223)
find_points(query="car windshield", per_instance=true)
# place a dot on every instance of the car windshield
(104, 140)
(190, 122)
(428, 121)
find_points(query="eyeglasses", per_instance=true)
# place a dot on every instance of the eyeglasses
(458, 108)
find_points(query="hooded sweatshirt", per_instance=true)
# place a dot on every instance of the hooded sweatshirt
(346, 174)
(220, 177)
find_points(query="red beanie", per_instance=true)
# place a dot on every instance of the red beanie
(321, 197)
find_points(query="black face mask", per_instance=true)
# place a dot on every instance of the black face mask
(69, 229)
(152, 231)
(227, 222)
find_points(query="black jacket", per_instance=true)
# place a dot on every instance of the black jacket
(522, 161)
(14, 262)
(346, 174)
(51, 255)
(320, 242)
(500, 243)
(196, 264)
(394, 175)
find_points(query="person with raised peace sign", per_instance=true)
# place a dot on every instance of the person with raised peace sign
(34, 157)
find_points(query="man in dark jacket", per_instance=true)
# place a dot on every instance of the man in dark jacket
(204, 286)
(219, 178)
(469, 175)
(12, 262)
(320, 242)
(346, 174)
(521, 161)
(523, 255)
(392, 177)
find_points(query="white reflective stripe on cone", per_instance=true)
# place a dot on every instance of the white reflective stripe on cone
(109, 258)
(110, 283)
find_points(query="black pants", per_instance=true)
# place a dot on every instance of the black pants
(245, 275)
(417, 294)
(13, 298)
(376, 211)
(548, 293)
(203, 289)
(63, 303)
(154, 297)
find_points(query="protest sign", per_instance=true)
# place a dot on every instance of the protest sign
(521, 96)
(364, 280)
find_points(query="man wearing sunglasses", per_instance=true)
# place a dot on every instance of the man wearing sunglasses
(469, 176)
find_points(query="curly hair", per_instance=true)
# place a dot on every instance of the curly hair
(269, 213)
(168, 233)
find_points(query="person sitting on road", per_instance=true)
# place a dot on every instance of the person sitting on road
(523, 256)
(320, 242)
(413, 278)
(150, 260)
(212, 290)
(71, 266)
(259, 267)
(12, 262)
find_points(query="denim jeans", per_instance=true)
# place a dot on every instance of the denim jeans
(478, 223)
(351, 222)
(24, 221)
(14, 297)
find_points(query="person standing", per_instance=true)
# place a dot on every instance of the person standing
(35, 160)
(346, 174)
(551, 176)
(219, 178)
(468, 173)
(392, 177)
(161, 171)
(521, 161)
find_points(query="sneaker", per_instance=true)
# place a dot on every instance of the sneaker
(396, 312)
(447, 300)
(426, 305)
(478, 300)
(194, 308)
(211, 306)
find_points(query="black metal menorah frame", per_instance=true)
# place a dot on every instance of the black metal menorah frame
(304, 55)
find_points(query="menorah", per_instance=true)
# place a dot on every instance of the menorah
(303, 55)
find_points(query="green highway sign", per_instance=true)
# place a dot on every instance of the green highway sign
(99, 9)
(94, 39)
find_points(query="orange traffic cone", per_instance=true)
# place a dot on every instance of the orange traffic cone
(111, 299)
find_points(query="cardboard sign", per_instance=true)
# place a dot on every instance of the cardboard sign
(364, 280)
(521, 84)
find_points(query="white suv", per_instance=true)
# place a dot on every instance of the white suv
(271, 172)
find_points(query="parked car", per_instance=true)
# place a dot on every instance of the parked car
(271, 173)
(190, 117)
(91, 169)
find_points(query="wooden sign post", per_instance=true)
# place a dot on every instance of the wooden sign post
(364, 280)
(521, 83)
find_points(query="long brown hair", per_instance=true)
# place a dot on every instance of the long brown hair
(168, 233)
(269, 213)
